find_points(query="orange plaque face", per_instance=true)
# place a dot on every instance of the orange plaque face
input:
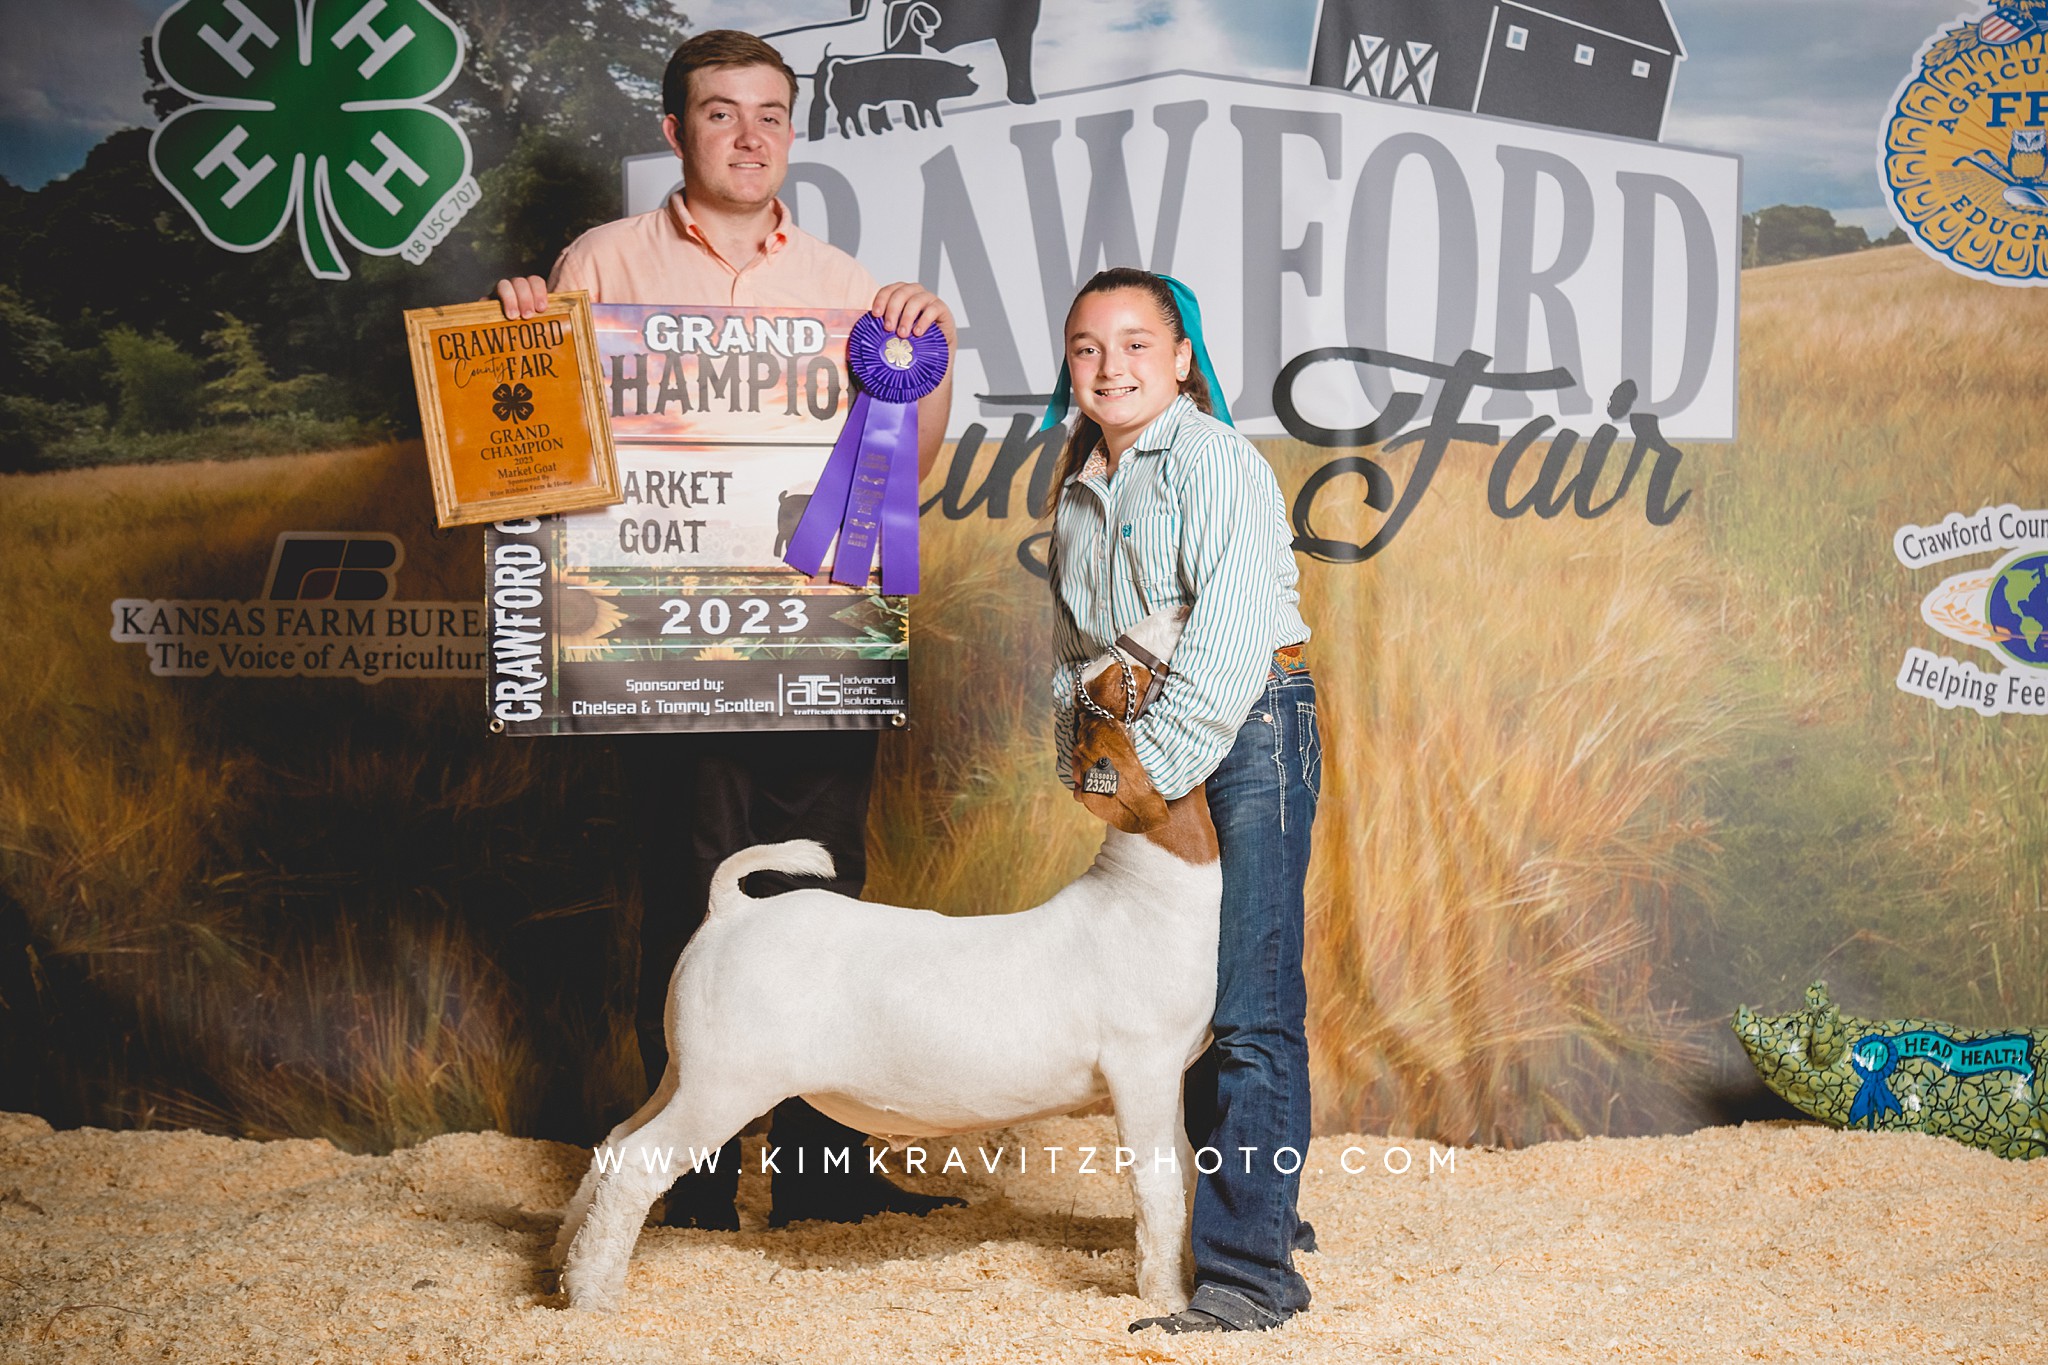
(512, 410)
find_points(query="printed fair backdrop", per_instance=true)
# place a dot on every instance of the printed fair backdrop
(1615, 737)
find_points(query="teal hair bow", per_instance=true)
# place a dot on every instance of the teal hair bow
(1191, 323)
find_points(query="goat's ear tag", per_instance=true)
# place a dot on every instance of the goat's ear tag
(1100, 780)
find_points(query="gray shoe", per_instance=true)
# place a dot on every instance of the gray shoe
(1187, 1320)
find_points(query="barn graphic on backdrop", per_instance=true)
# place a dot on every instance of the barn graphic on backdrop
(1602, 65)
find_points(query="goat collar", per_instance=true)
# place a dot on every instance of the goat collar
(1153, 663)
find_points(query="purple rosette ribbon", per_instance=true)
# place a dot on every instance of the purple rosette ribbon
(867, 496)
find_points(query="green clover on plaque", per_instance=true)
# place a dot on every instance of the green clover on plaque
(514, 402)
(314, 109)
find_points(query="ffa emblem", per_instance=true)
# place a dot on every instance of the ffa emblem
(1963, 148)
(1100, 780)
(315, 116)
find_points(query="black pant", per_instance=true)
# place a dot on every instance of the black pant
(698, 799)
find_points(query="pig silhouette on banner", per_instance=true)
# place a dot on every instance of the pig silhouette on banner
(864, 69)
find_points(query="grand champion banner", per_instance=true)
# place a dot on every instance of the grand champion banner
(672, 609)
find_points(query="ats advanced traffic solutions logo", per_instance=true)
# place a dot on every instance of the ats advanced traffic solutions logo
(1964, 143)
(314, 113)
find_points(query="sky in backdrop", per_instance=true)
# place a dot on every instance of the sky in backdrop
(1798, 87)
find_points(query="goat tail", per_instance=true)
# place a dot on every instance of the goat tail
(797, 858)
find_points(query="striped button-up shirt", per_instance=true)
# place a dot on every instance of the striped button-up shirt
(1191, 517)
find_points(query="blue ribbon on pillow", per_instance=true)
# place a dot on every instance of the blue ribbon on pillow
(867, 496)
(1874, 1098)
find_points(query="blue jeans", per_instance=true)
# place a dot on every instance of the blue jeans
(1250, 1089)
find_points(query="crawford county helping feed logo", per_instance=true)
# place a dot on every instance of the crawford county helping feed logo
(2001, 609)
(1964, 143)
(314, 113)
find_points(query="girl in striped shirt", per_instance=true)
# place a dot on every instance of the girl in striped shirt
(1158, 503)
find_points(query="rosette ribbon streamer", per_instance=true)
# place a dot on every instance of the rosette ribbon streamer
(1874, 1098)
(867, 496)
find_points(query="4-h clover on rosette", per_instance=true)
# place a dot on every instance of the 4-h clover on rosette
(314, 109)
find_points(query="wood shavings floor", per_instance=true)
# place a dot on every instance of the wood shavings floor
(1768, 1242)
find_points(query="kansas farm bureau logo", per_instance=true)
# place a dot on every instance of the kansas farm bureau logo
(314, 113)
(329, 609)
(1963, 149)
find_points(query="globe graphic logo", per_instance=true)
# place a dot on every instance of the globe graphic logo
(2018, 609)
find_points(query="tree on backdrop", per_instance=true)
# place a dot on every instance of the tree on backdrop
(551, 95)
(1799, 232)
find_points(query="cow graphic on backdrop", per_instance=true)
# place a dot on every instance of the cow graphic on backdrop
(873, 65)
(1602, 65)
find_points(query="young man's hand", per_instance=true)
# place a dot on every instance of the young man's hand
(908, 308)
(525, 297)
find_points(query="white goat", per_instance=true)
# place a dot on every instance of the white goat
(910, 1023)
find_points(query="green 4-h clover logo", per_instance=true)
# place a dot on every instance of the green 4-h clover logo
(315, 110)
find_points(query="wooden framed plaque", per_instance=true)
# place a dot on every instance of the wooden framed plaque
(513, 410)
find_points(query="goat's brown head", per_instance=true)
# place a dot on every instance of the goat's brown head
(1108, 778)
(1111, 693)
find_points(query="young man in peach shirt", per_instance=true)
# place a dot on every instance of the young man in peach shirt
(725, 238)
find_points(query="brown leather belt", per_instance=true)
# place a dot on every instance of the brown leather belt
(1290, 659)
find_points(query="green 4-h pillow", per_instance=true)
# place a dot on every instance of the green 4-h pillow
(1903, 1075)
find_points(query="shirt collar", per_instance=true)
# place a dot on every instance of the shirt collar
(1158, 433)
(679, 213)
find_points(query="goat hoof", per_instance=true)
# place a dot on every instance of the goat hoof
(586, 1300)
(1161, 1282)
(711, 1215)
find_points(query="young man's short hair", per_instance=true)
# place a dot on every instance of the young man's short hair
(717, 47)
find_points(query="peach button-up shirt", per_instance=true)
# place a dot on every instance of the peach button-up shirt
(663, 257)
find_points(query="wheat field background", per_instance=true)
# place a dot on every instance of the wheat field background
(1587, 783)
